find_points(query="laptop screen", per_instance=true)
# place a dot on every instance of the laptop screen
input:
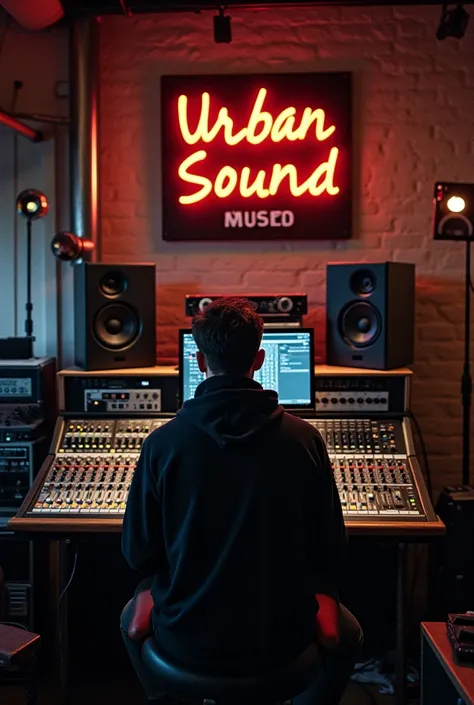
(288, 368)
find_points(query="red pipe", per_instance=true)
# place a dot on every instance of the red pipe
(20, 127)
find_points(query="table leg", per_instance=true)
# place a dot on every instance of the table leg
(401, 665)
(436, 687)
(31, 682)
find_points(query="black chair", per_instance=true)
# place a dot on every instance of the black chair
(268, 688)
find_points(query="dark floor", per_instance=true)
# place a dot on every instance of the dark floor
(125, 692)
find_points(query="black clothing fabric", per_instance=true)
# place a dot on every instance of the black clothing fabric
(234, 512)
(327, 689)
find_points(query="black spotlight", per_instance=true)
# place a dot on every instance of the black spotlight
(453, 211)
(453, 23)
(454, 220)
(32, 204)
(68, 247)
(222, 28)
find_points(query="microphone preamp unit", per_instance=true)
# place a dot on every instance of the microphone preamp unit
(273, 308)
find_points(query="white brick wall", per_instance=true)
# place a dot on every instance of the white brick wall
(415, 114)
(415, 106)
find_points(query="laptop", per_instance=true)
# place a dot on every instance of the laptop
(288, 368)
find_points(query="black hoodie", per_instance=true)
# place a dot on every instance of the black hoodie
(234, 511)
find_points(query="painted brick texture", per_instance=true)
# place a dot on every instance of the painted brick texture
(414, 104)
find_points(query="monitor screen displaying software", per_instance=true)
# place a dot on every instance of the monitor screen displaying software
(288, 368)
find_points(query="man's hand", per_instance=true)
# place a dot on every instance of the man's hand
(327, 622)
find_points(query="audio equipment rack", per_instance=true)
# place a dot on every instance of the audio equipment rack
(84, 483)
(27, 417)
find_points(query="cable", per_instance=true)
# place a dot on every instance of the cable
(424, 453)
(61, 614)
(15, 624)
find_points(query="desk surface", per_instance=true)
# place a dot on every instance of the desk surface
(462, 677)
(395, 530)
(172, 371)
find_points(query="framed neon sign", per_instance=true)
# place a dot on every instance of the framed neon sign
(257, 157)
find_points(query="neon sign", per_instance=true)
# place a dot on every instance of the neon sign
(234, 145)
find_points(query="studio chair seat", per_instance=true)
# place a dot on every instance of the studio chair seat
(268, 688)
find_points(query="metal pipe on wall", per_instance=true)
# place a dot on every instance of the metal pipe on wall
(84, 130)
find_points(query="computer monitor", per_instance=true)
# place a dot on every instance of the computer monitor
(288, 367)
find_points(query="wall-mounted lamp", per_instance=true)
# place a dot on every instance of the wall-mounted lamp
(68, 247)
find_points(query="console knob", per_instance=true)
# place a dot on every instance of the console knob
(204, 303)
(285, 304)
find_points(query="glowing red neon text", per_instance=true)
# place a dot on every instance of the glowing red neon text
(278, 129)
(261, 126)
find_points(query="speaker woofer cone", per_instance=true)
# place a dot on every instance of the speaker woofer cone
(116, 326)
(360, 324)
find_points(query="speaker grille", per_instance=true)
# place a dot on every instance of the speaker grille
(360, 324)
(116, 326)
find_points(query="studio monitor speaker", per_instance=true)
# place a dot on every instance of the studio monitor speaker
(370, 315)
(115, 316)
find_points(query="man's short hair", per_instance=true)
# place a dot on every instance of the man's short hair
(228, 333)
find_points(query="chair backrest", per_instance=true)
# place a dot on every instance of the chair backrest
(268, 688)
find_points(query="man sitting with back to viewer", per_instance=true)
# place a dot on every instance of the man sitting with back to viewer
(234, 519)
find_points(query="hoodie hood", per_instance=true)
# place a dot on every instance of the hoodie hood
(232, 409)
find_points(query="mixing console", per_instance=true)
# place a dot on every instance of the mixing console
(364, 436)
(93, 463)
(93, 467)
(105, 436)
(371, 467)
(88, 485)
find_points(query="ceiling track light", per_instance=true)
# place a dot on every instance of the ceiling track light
(453, 23)
(222, 28)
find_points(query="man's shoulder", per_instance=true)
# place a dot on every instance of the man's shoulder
(166, 427)
(299, 428)
(163, 434)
